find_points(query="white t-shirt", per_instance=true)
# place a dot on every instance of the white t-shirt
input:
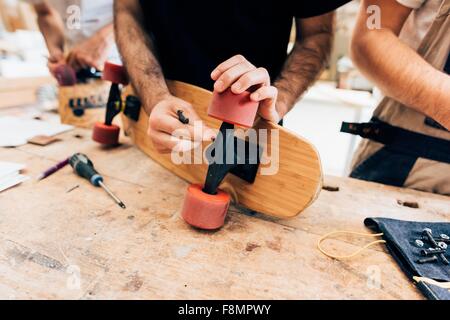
(82, 18)
(419, 22)
(414, 4)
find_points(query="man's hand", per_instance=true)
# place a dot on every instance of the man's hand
(55, 60)
(92, 52)
(168, 133)
(240, 75)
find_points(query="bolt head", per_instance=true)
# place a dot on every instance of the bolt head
(419, 243)
(444, 236)
(427, 230)
(442, 245)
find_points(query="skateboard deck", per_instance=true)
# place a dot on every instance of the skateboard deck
(296, 175)
(82, 105)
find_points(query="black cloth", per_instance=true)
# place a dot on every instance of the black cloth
(193, 37)
(447, 65)
(400, 237)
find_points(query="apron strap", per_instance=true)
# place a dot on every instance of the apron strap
(401, 140)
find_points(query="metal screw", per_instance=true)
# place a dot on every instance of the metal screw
(429, 234)
(425, 238)
(419, 243)
(431, 251)
(427, 260)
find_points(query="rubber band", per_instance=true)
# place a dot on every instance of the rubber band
(353, 233)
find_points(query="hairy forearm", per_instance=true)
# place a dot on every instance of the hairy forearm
(305, 63)
(52, 28)
(402, 74)
(137, 50)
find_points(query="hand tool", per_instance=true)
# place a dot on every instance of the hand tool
(85, 168)
(53, 169)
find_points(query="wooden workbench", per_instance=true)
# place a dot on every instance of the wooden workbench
(49, 236)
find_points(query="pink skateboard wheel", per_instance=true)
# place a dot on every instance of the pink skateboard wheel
(65, 75)
(115, 73)
(233, 108)
(205, 211)
(104, 134)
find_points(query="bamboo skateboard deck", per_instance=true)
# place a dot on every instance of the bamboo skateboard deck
(284, 194)
(82, 105)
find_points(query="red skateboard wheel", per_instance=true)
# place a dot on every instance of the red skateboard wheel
(233, 108)
(115, 73)
(65, 75)
(104, 134)
(205, 211)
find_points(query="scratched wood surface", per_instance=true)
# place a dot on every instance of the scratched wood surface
(62, 244)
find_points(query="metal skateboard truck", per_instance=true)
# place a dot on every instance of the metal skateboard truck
(205, 207)
(66, 75)
(107, 133)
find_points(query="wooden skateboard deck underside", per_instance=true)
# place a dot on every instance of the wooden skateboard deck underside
(80, 92)
(287, 193)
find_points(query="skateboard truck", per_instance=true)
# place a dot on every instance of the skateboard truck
(132, 107)
(205, 207)
(66, 75)
(242, 164)
(88, 73)
(107, 133)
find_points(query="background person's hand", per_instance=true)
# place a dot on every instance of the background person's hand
(55, 60)
(91, 53)
(168, 133)
(240, 75)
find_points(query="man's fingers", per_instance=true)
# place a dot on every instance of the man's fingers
(52, 67)
(254, 77)
(166, 143)
(172, 126)
(72, 61)
(267, 96)
(169, 123)
(175, 142)
(263, 93)
(85, 62)
(224, 66)
(197, 128)
(231, 75)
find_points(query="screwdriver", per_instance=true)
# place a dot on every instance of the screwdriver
(85, 168)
